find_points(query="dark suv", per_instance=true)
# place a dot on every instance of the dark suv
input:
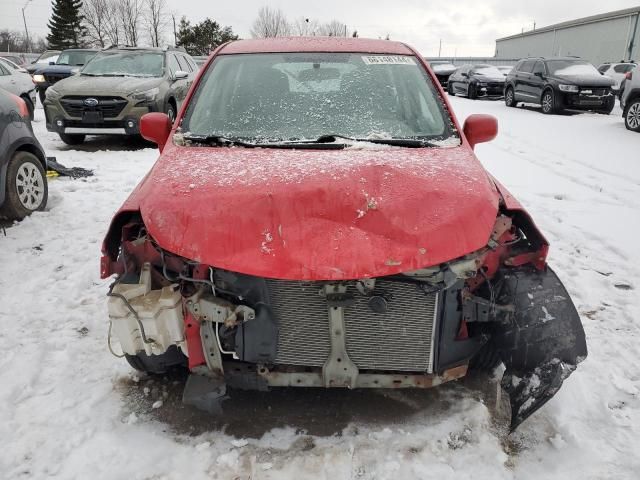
(115, 88)
(68, 62)
(559, 83)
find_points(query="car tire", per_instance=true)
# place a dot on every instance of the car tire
(158, 364)
(450, 89)
(26, 187)
(72, 139)
(608, 108)
(472, 92)
(548, 102)
(171, 112)
(30, 106)
(632, 115)
(509, 97)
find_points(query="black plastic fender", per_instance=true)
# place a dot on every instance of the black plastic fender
(542, 344)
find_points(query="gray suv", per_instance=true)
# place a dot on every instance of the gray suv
(115, 88)
(630, 101)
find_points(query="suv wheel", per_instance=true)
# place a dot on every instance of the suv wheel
(472, 92)
(171, 112)
(72, 139)
(509, 98)
(26, 189)
(548, 102)
(632, 115)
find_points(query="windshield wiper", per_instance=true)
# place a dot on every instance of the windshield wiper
(396, 142)
(222, 141)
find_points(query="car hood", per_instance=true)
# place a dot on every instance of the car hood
(487, 78)
(318, 214)
(56, 69)
(88, 85)
(585, 80)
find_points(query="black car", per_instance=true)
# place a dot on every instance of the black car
(68, 62)
(23, 165)
(442, 70)
(475, 81)
(559, 83)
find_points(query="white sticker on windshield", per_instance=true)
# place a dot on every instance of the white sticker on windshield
(388, 60)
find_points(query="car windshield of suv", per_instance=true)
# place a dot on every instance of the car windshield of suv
(571, 67)
(125, 64)
(304, 96)
(74, 58)
(487, 71)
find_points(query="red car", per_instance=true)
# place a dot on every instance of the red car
(317, 218)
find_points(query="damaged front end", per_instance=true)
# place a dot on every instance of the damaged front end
(412, 330)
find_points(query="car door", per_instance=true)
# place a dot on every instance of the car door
(178, 85)
(537, 79)
(459, 80)
(521, 81)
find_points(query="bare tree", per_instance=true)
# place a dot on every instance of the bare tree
(156, 20)
(305, 27)
(130, 13)
(334, 28)
(95, 17)
(113, 26)
(271, 22)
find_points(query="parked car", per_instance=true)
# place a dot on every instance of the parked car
(20, 84)
(115, 88)
(23, 165)
(476, 81)
(68, 62)
(559, 83)
(361, 246)
(16, 58)
(617, 72)
(443, 71)
(48, 57)
(630, 101)
(12, 65)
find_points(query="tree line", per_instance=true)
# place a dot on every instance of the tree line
(273, 22)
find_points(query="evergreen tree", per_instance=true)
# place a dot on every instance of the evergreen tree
(201, 38)
(66, 29)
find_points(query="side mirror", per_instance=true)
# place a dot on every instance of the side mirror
(479, 128)
(180, 74)
(156, 128)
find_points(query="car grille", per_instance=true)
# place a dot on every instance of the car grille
(53, 78)
(110, 107)
(399, 340)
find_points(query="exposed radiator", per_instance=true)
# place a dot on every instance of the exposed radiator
(400, 339)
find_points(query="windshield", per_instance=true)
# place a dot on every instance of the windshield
(487, 70)
(47, 57)
(125, 64)
(571, 67)
(74, 58)
(296, 96)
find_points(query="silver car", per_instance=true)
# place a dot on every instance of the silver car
(20, 84)
(630, 101)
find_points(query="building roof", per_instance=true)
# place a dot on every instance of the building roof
(317, 44)
(580, 21)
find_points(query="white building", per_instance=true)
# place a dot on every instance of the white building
(609, 37)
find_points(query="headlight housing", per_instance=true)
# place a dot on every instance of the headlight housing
(38, 78)
(143, 98)
(569, 88)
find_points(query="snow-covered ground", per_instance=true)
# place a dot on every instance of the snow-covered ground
(69, 410)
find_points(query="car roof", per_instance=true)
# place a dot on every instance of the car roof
(79, 50)
(316, 44)
(555, 58)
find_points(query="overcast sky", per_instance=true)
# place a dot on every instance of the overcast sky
(466, 27)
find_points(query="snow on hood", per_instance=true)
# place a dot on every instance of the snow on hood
(318, 214)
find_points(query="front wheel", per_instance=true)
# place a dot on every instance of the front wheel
(548, 102)
(72, 139)
(26, 187)
(472, 92)
(632, 115)
(509, 98)
(171, 112)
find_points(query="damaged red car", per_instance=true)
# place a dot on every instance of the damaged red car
(317, 218)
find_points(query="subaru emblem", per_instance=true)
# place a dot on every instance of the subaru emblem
(91, 102)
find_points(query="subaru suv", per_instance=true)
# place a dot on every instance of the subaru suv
(115, 88)
(559, 83)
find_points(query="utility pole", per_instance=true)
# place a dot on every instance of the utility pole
(175, 35)
(534, 25)
(440, 49)
(26, 31)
